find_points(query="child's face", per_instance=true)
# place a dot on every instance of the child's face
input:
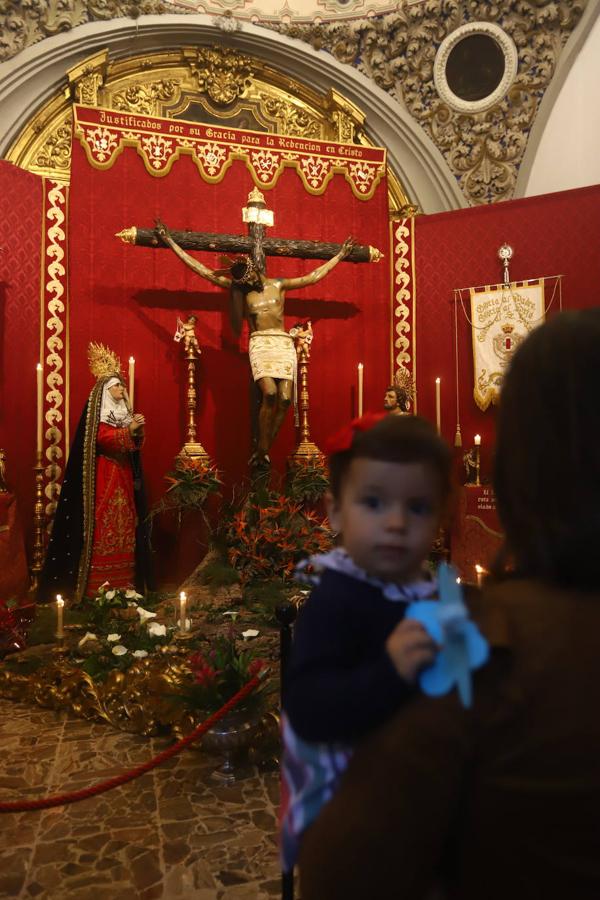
(388, 515)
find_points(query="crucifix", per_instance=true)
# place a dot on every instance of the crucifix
(259, 298)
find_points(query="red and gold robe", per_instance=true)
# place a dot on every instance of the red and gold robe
(113, 547)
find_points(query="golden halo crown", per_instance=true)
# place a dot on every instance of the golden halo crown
(403, 380)
(103, 361)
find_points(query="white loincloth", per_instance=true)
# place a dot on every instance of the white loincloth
(272, 355)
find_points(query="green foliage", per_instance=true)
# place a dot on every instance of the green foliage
(191, 482)
(307, 480)
(102, 609)
(218, 573)
(262, 598)
(218, 671)
(123, 631)
(270, 533)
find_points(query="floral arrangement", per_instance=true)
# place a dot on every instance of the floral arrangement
(307, 479)
(220, 670)
(191, 482)
(270, 534)
(124, 632)
(12, 636)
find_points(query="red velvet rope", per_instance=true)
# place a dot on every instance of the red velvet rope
(103, 786)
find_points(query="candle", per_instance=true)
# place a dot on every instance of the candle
(60, 604)
(131, 379)
(438, 404)
(39, 407)
(477, 440)
(360, 389)
(479, 574)
(182, 610)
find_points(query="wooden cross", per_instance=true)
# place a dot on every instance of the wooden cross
(258, 218)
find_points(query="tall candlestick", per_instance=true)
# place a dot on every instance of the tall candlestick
(60, 604)
(438, 404)
(40, 407)
(182, 611)
(477, 440)
(131, 379)
(360, 389)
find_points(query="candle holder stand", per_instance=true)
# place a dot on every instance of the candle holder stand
(38, 523)
(306, 449)
(477, 466)
(192, 447)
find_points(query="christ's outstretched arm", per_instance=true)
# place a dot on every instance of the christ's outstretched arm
(194, 264)
(321, 271)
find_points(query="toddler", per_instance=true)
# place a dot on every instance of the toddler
(355, 658)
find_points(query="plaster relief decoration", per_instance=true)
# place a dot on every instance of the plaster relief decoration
(25, 23)
(160, 142)
(507, 53)
(269, 12)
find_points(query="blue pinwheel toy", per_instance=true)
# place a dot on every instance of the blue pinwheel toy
(463, 647)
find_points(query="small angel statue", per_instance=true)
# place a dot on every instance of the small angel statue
(303, 336)
(187, 331)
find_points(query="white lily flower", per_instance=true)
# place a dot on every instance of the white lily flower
(233, 613)
(140, 654)
(105, 585)
(157, 630)
(119, 650)
(88, 636)
(250, 633)
(113, 637)
(110, 594)
(145, 614)
(133, 595)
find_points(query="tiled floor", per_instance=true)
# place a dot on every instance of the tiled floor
(173, 833)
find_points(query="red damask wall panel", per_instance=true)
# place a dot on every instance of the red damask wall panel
(20, 264)
(550, 234)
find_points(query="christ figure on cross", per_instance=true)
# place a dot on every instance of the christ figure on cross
(272, 352)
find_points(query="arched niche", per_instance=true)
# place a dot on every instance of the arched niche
(35, 92)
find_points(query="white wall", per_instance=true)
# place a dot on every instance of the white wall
(568, 155)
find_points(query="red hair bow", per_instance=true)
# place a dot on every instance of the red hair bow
(342, 439)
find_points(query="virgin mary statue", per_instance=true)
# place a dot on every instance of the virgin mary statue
(99, 533)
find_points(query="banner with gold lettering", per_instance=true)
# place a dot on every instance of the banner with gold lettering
(501, 317)
(105, 133)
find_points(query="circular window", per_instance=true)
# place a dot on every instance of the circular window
(475, 66)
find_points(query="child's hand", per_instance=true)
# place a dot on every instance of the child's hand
(410, 648)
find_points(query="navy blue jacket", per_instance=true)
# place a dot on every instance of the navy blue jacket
(340, 682)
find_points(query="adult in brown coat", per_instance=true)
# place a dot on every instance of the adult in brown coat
(502, 801)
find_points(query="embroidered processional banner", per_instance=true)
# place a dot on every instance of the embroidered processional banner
(501, 318)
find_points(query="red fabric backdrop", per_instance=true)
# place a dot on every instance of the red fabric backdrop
(20, 240)
(129, 298)
(550, 234)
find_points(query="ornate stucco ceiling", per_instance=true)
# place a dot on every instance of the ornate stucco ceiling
(287, 11)
(396, 50)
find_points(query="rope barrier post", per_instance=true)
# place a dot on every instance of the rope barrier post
(285, 614)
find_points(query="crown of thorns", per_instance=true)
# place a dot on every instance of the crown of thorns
(250, 271)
